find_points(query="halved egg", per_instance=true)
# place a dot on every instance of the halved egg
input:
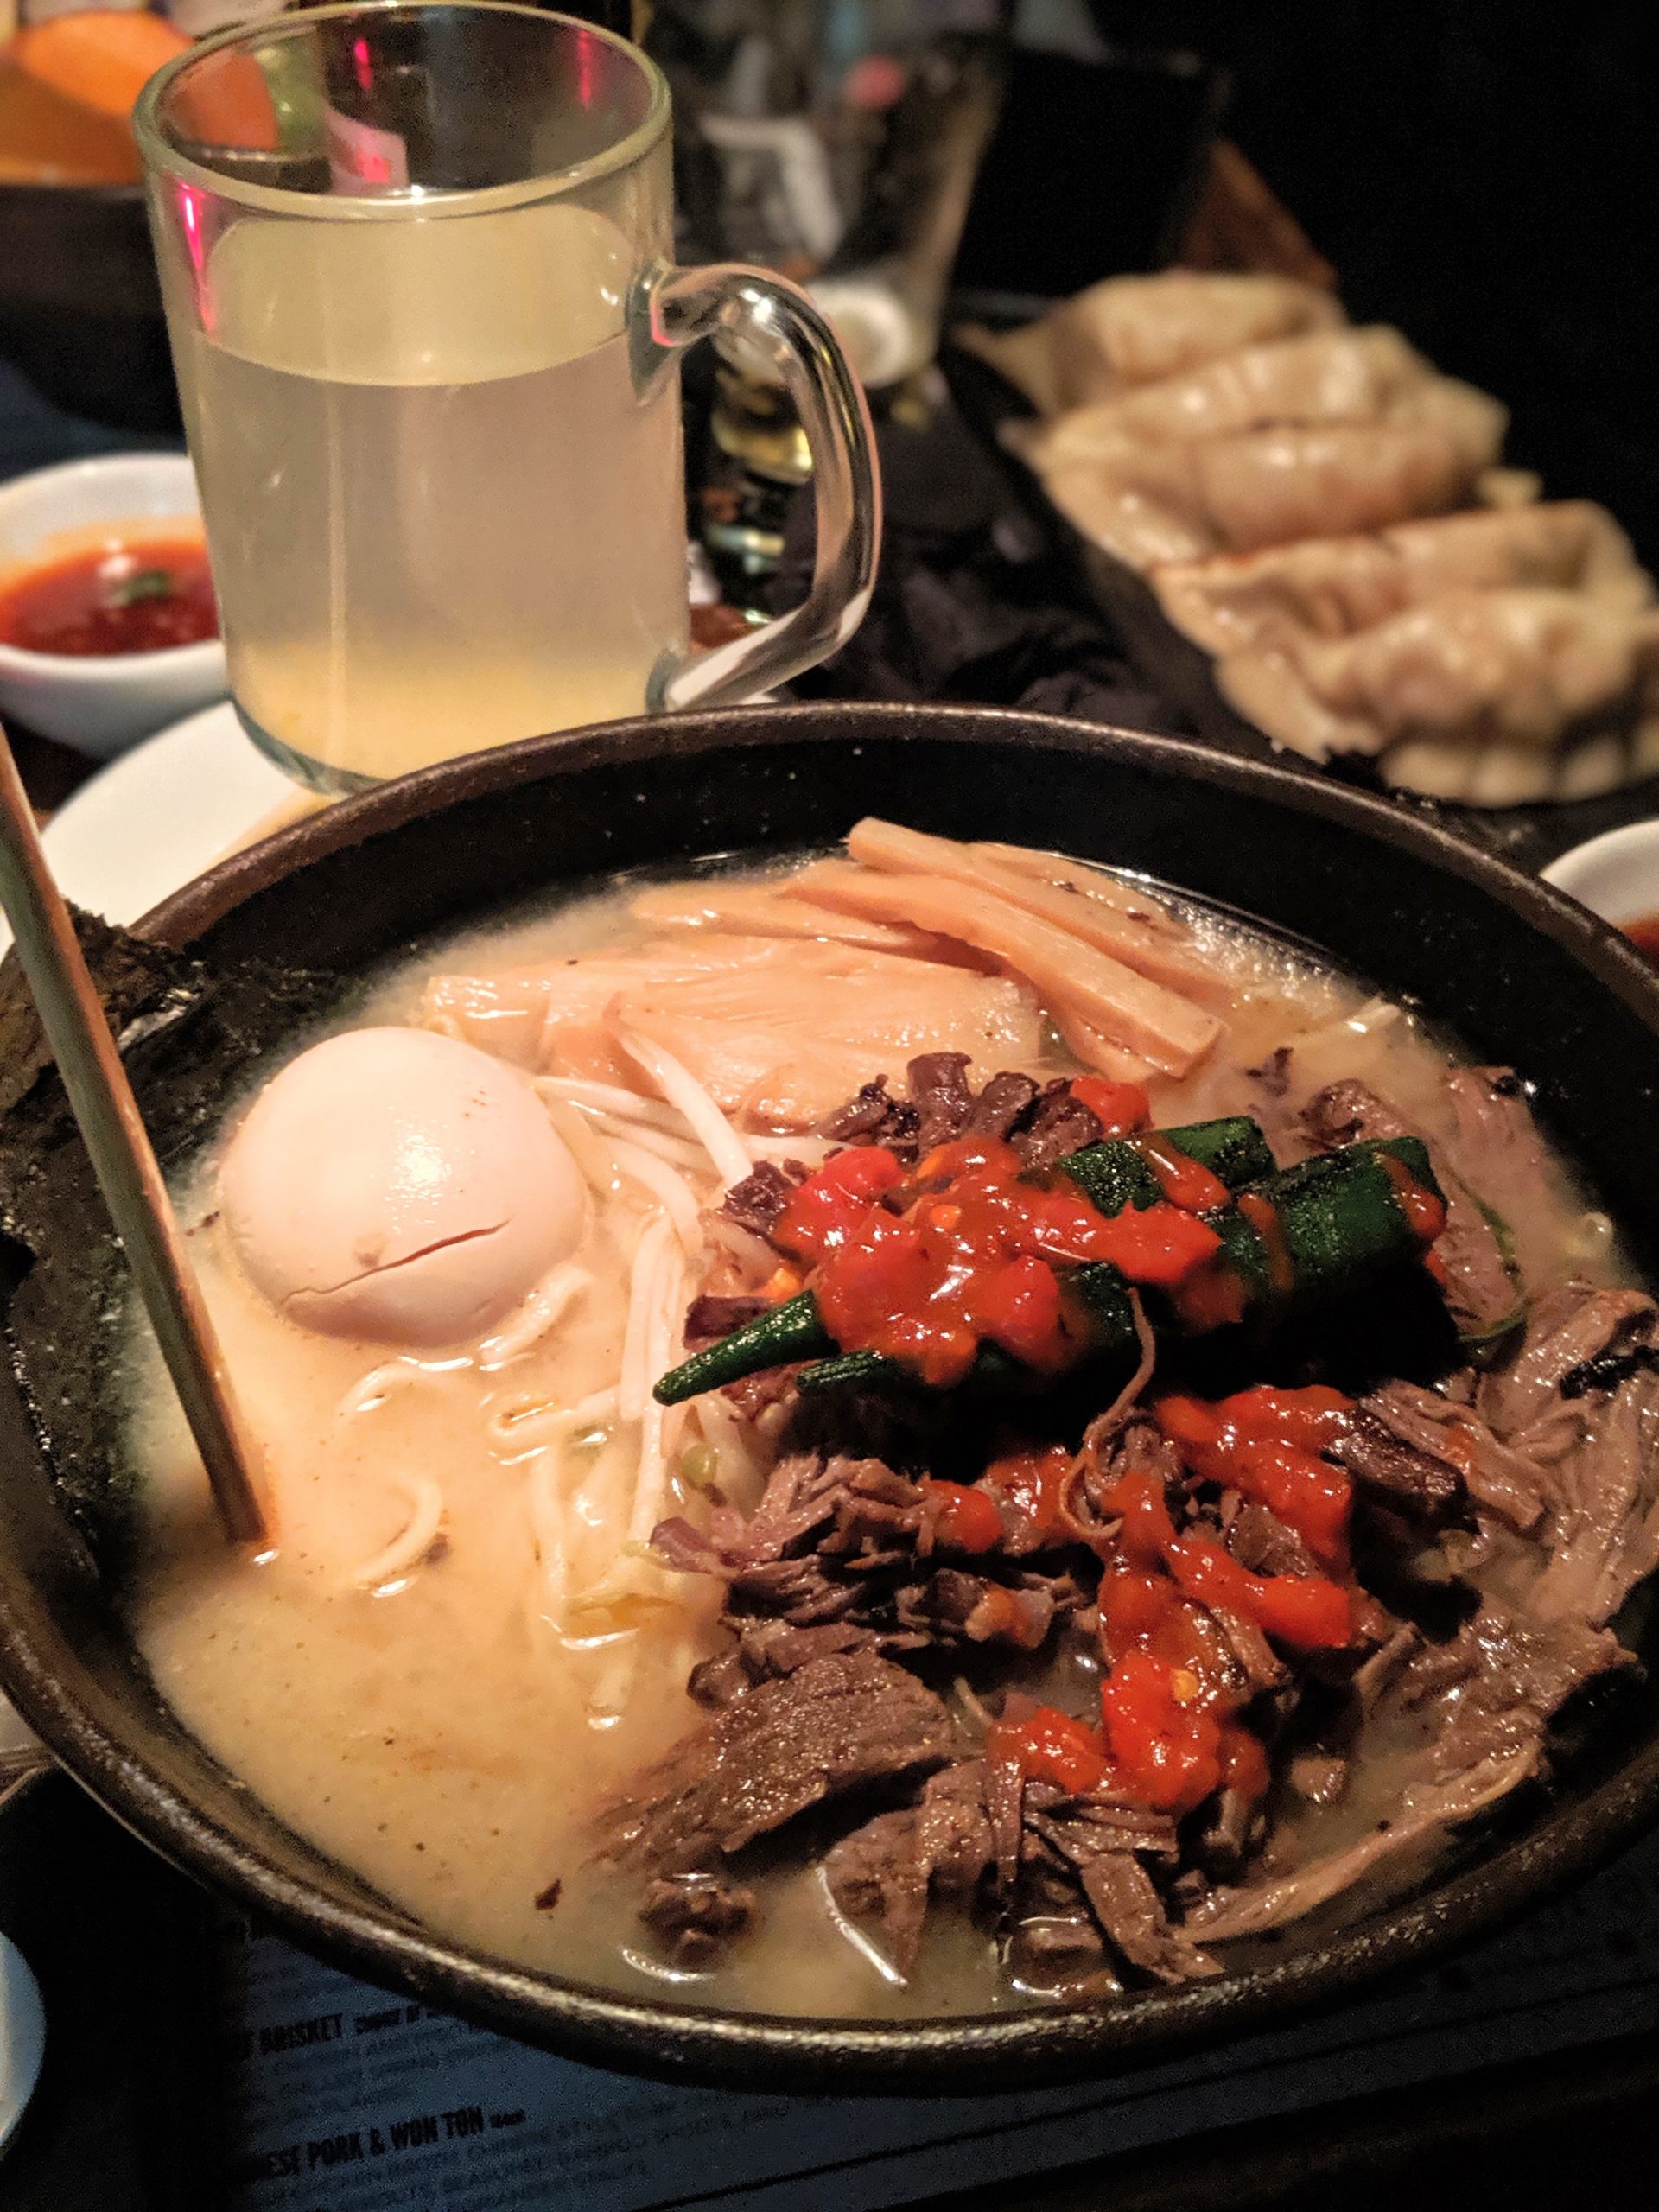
(401, 1186)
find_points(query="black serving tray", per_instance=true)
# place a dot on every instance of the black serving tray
(1180, 673)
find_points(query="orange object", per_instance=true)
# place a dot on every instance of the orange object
(224, 101)
(1120, 1107)
(829, 1209)
(47, 139)
(1267, 1444)
(963, 1520)
(1425, 1209)
(1166, 1749)
(101, 60)
(1184, 1182)
(1304, 1609)
(1034, 1483)
(1048, 1745)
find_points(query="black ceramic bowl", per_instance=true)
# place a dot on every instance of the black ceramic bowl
(1526, 976)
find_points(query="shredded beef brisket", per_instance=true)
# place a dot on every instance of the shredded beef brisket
(708, 1317)
(1480, 1707)
(1415, 1481)
(885, 1873)
(1120, 1893)
(1439, 1434)
(938, 1103)
(940, 1092)
(1057, 1125)
(1259, 1539)
(756, 1203)
(1500, 1520)
(834, 1725)
(1582, 1411)
(1481, 1291)
(873, 1115)
(1568, 1331)
(696, 1915)
(847, 1542)
(1000, 1107)
(1068, 1853)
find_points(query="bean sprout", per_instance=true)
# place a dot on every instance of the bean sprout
(659, 1292)
(807, 1149)
(587, 1149)
(754, 1255)
(609, 1699)
(680, 1087)
(610, 1098)
(671, 1191)
(658, 1425)
(634, 1389)
(547, 1527)
(678, 1152)
(724, 1432)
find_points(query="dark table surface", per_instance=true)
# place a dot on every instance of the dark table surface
(126, 2117)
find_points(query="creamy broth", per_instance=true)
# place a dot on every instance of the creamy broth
(444, 1718)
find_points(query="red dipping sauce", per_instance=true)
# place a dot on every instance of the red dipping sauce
(139, 594)
(1643, 933)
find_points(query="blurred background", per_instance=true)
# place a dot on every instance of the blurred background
(1476, 173)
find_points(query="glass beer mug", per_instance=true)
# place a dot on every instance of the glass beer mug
(416, 263)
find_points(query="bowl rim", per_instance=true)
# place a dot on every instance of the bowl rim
(976, 2052)
(165, 159)
(102, 670)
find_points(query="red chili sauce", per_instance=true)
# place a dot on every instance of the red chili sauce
(971, 1258)
(1643, 933)
(136, 595)
(1171, 1691)
(969, 1248)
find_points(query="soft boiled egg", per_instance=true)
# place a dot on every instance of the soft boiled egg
(401, 1186)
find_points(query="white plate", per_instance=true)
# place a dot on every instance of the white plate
(22, 2038)
(1616, 876)
(161, 814)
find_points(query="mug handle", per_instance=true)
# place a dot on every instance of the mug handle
(780, 322)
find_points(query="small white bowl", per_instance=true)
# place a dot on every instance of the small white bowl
(1615, 875)
(22, 2038)
(100, 704)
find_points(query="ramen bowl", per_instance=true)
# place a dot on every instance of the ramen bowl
(1522, 974)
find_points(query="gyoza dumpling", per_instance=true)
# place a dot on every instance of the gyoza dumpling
(1309, 436)
(1174, 501)
(1327, 376)
(1130, 330)
(1497, 696)
(1331, 587)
